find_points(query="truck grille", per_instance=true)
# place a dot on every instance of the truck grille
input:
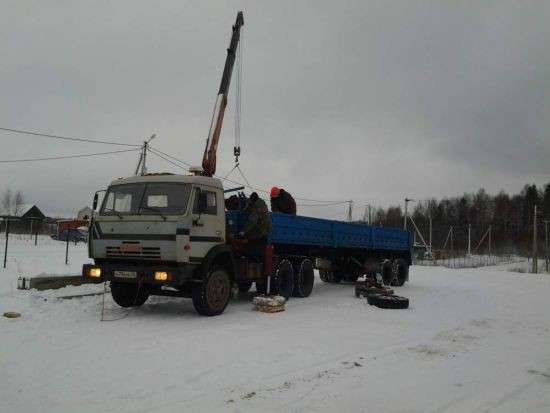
(151, 253)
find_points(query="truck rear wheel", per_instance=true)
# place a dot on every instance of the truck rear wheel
(400, 272)
(212, 296)
(128, 295)
(387, 272)
(324, 275)
(303, 279)
(284, 279)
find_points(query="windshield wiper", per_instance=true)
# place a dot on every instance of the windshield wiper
(157, 210)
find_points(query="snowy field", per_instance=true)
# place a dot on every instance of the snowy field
(473, 340)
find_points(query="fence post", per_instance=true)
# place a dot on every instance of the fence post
(535, 252)
(67, 247)
(7, 221)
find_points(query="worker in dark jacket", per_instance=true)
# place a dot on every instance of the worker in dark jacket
(282, 201)
(258, 225)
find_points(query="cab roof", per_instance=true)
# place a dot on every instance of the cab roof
(173, 178)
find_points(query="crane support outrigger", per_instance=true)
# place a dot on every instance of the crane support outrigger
(209, 157)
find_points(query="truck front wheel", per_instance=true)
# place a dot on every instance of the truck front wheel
(212, 295)
(128, 295)
(400, 272)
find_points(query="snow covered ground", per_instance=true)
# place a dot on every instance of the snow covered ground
(473, 340)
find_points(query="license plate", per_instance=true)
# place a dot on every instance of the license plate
(125, 274)
(131, 248)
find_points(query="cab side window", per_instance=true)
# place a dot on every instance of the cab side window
(211, 202)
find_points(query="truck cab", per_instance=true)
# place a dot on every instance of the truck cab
(161, 234)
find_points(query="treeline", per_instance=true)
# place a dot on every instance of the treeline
(510, 218)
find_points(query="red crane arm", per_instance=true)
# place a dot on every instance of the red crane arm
(209, 157)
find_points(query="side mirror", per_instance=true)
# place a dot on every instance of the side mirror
(94, 205)
(202, 203)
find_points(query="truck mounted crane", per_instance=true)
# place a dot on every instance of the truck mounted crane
(209, 157)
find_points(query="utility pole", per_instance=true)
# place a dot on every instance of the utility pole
(546, 243)
(370, 215)
(7, 221)
(407, 200)
(141, 168)
(350, 210)
(535, 252)
(490, 232)
(452, 242)
(469, 239)
(430, 233)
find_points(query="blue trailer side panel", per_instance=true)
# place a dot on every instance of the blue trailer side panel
(308, 231)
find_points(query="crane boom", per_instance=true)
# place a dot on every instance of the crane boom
(209, 157)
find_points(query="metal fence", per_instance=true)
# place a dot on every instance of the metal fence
(470, 261)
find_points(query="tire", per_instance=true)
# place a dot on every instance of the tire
(303, 279)
(387, 272)
(330, 276)
(366, 291)
(324, 275)
(212, 295)
(128, 295)
(284, 279)
(244, 286)
(400, 270)
(388, 301)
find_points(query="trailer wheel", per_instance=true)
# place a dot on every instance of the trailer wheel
(284, 279)
(244, 286)
(212, 295)
(400, 272)
(128, 295)
(388, 301)
(387, 272)
(324, 275)
(303, 279)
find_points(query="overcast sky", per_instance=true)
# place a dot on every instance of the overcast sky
(364, 100)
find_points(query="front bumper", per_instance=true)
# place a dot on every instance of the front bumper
(144, 274)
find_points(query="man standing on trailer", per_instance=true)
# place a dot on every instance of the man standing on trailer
(258, 225)
(282, 201)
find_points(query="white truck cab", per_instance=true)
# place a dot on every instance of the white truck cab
(163, 230)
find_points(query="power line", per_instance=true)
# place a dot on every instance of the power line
(84, 155)
(240, 183)
(66, 138)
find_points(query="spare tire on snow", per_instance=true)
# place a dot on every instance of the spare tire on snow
(388, 301)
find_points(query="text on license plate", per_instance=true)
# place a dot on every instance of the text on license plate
(125, 274)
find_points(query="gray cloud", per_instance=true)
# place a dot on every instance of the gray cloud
(365, 100)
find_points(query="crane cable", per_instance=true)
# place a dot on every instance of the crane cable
(237, 125)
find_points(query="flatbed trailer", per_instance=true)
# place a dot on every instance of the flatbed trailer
(341, 251)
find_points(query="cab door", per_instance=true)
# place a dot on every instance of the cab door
(207, 227)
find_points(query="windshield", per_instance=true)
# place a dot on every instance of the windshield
(146, 199)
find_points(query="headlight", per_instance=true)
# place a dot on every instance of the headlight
(161, 276)
(95, 272)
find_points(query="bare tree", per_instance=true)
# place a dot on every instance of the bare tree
(6, 201)
(18, 201)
